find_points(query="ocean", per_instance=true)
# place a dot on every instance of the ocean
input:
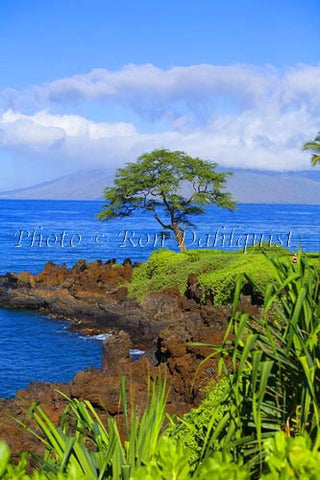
(37, 348)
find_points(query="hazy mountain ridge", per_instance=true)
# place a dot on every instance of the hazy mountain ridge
(246, 187)
(280, 188)
(83, 185)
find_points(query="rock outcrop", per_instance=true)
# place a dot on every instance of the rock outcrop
(91, 295)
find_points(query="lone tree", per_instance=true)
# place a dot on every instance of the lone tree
(315, 149)
(156, 182)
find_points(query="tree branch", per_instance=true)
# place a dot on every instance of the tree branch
(164, 225)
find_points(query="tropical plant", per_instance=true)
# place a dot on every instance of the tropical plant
(12, 471)
(84, 447)
(193, 428)
(155, 182)
(314, 146)
(272, 365)
(286, 458)
(171, 462)
(291, 458)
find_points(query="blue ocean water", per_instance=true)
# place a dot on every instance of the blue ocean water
(36, 348)
(32, 233)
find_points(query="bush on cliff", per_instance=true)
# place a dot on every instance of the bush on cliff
(192, 430)
(216, 270)
(166, 268)
(219, 285)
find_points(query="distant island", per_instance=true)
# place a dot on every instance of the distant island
(246, 186)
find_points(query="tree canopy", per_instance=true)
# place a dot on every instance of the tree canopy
(314, 146)
(171, 185)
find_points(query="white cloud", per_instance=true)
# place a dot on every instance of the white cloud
(61, 137)
(65, 125)
(271, 142)
(302, 85)
(153, 92)
(198, 80)
(148, 89)
(240, 116)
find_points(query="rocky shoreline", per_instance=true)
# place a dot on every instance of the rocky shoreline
(94, 298)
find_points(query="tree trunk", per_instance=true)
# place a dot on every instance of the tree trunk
(180, 237)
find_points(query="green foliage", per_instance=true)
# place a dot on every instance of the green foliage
(217, 272)
(221, 466)
(273, 364)
(4, 457)
(220, 285)
(285, 459)
(291, 458)
(154, 183)
(10, 471)
(166, 268)
(82, 446)
(193, 428)
(314, 147)
(169, 461)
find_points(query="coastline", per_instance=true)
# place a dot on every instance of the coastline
(92, 296)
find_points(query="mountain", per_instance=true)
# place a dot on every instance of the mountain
(83, 185)
(256, 187)
(246, 186)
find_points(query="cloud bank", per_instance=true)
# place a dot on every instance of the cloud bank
(240, 116)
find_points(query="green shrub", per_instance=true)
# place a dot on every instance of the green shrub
(170, 462)
(164, 268)
(221, 466)
(291, 458)
(285, 459)
(220, 285)
(194, 427)
(10, 471)
(217, 271)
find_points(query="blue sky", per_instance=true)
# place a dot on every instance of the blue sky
(92, 84)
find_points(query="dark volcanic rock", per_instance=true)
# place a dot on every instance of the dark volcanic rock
(218, 315)
(161, 307)
(116, 353)
(193, 290)
(92, 295)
